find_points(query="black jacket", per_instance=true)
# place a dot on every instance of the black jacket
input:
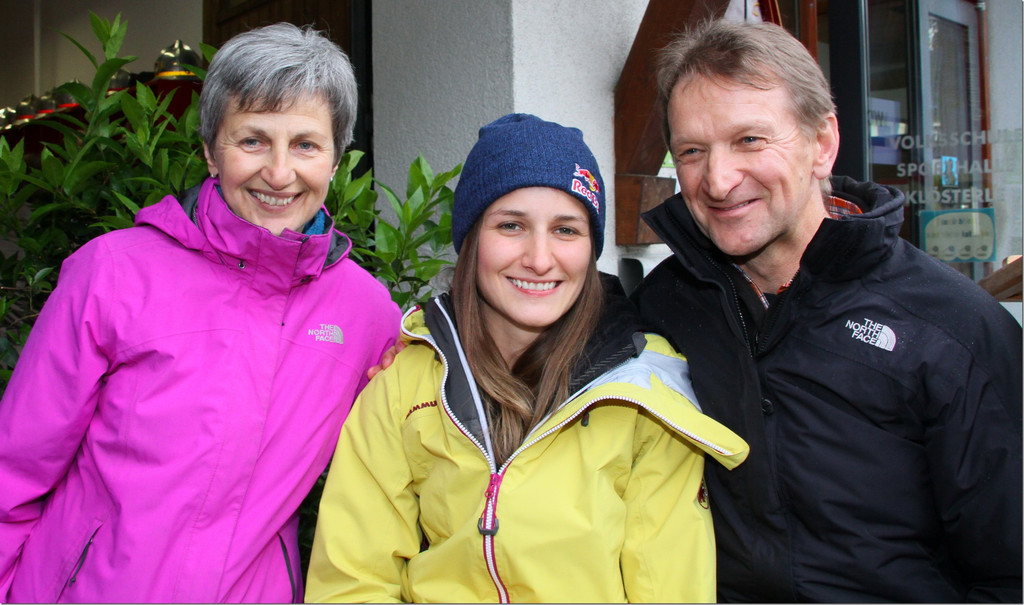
(881, 398)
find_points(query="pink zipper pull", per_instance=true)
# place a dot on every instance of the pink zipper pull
(492, 487)
(488, 523)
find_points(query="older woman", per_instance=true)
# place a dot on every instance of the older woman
(185, 384)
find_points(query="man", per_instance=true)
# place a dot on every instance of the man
(879, 390)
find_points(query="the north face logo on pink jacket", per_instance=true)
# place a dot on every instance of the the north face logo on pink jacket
(328, 333)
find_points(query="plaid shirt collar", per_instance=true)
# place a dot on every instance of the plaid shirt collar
(837, 208)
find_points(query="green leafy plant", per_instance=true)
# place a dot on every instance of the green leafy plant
(97, 166)
(407, 253)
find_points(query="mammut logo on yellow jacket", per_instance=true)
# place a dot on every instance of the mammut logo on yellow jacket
(420, 406)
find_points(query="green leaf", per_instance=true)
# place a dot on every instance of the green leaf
(160, 165)
(208, 51)
(442, 179)
(385, 240)
(190, 119)
(132, 109)
(396, 204)
(420, 176)
(113, 223)
(128, 203)
(153, 197)
(53, 169)
(414, 207)
(195, 69)
(402, 299)
(112, 45)
(147, 182)
(82, 173)
(106, 106)
(80, 92)
(41, 274)
(100, 27)
(357, 188)
(33, 180)
(409, 209)
(13, 156)
(147, 100)
(72, 131)
(350, 159)
(45, 209)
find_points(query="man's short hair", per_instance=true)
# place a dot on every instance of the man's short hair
(760, 55)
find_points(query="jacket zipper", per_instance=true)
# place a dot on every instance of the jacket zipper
(288, 566)
(488, 526)
(81, 560)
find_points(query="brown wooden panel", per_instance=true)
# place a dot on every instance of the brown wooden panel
(634, 195)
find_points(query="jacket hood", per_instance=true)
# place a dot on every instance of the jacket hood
(201, 220)
(844, 249)
(840, 250)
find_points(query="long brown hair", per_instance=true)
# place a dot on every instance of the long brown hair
(517, 398)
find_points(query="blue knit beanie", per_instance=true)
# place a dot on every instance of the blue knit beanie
(520, 150)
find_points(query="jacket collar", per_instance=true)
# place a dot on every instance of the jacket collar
(201, 220)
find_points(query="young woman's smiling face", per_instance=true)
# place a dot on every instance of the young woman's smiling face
(532, 260)
(275, 167)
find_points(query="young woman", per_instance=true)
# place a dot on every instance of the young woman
(530, 443)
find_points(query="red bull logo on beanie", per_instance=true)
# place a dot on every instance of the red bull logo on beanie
(588, 191)
(591, 180)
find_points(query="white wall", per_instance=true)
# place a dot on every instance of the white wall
(37, 57)
(440, 71)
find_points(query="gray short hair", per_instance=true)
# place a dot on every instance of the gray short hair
(269, 68)
(760, 55)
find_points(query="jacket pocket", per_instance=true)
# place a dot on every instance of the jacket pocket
(78, 562)
(288, 566)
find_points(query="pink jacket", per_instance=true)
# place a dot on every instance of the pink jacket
(180, 393)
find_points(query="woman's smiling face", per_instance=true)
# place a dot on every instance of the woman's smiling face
(275, 167)
(533, 255)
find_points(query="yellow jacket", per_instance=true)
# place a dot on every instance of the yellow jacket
(604, 502)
